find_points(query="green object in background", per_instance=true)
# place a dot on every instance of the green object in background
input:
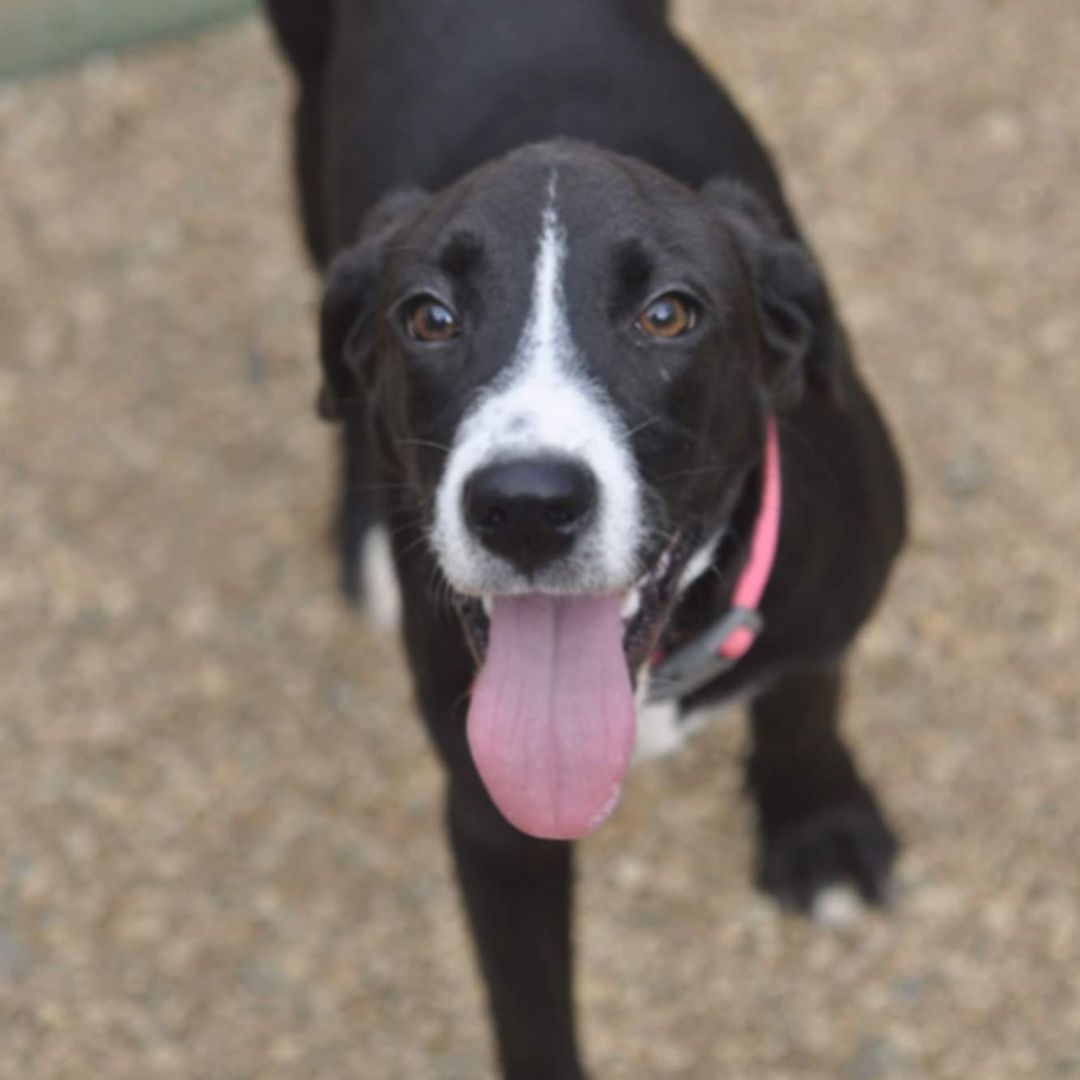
(41, 35)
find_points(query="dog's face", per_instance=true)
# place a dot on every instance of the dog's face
(569, 359)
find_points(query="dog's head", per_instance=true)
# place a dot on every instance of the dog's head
(569, 359)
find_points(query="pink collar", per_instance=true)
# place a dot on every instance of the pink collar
(729, 639)
(755, 575)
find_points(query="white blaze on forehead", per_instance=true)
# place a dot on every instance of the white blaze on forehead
(544, 403)
(547, 333)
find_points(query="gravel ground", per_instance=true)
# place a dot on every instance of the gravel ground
(219, 849)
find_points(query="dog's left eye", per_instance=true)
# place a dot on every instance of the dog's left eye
(427, 319)
(669, 316)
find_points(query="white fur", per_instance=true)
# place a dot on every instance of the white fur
(382, 594)
(545, 404)
(659, 731)
(663, 730)
(837, 907)
(699, 562)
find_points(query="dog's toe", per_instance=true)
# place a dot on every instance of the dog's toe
(810, 864)
(837, 907)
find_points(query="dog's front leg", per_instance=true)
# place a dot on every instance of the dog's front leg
(517, 890)
(818, 820)
(517, 893)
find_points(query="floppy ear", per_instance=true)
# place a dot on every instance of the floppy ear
(792, 300)
(347, 321)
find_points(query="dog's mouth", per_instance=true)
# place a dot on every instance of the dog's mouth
(552, 717)
(644, 608)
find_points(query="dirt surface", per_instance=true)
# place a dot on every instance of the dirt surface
(219, 845)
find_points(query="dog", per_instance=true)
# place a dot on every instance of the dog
(596, 403)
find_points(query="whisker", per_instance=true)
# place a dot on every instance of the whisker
(643, 425)
(707, 470)
(423, 442)
(376, 487)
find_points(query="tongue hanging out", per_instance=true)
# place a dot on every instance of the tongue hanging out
(551, 724)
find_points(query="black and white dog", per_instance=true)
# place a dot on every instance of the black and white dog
(595, 396)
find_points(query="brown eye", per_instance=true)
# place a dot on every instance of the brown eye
(429, 320)
(669, 316)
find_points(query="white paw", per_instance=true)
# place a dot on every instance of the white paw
(382, 595)
(837, 907)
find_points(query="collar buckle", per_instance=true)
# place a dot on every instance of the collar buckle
(697, 663)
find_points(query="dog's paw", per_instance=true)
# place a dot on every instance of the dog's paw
(379, 593)
(823, 863)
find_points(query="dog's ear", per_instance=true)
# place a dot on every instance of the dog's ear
(347, 329)
(791, 296)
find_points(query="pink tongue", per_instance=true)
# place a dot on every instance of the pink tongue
(551, 724)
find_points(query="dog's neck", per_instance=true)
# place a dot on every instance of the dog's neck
(519, 27)
(730, 572)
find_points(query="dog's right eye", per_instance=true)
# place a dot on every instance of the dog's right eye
(427, 319)
(669, 316)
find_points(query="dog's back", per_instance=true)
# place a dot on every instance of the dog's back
(472, 80)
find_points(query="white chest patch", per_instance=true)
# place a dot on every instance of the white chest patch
(663, 730)
(659, 731)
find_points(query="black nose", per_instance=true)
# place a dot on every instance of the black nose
(530, 511)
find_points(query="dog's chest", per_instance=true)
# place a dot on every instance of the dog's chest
(663, 729)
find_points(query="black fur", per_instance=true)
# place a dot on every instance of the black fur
(399, 99)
